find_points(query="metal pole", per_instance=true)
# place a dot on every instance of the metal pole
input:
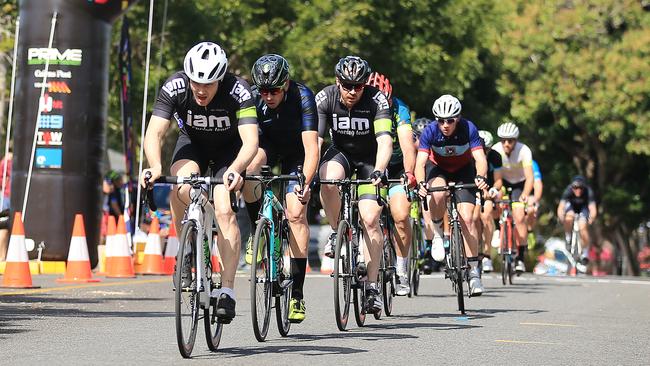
(38, 118)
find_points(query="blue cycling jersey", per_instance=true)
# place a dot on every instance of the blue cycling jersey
(451, 153)
(401, 120)
(537, 174)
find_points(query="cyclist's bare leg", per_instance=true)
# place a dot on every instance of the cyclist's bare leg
(252, 190)
(370, 211)
(437, 201)
(568, 224)
(329, 193)
(299, 233)
(584, 232)
(519, 215)
(487, 222)
(469, 228)
(229, 235)
(400, 209)
(428, 224)
(179, 197)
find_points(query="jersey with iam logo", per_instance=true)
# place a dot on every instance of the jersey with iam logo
(354, 131)
(215, 125)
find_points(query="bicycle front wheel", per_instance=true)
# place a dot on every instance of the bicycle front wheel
(261, 280)
(213, 328)
(282, 301)
(414, 257)
(186, 292)
(342, 275)
(457, 261)
(388, 280)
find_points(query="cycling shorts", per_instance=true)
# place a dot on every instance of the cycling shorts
(464, 175)
(395, 171)
(517, 188)
(582, 213)
(218, 161)
(362, 168)
(288, 162)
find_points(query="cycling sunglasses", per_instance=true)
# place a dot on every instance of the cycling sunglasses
(273, 91)
(510, 141)
(349, 87)
(448, 121)
(577, 187)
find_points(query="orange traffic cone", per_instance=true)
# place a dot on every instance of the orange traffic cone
(119, 262)
(216, 264)
(153, 259)
(110, 235)
(78, 265)
(171, 250)
(17, 273)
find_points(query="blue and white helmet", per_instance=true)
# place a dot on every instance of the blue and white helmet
(205, 63)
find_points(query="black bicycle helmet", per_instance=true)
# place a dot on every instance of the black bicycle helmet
(353, 70)
(579, 181)
(270, 71)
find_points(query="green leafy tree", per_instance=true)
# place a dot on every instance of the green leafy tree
(576, 73)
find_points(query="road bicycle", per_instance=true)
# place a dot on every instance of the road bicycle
(507, 238)
(457, 267)
(270, 276)
(416, 252)
(574, 246)
(350, 272)
(193, 276)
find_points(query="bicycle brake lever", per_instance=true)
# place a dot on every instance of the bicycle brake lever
(147, 200)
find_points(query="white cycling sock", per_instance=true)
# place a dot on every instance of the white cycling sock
(437, 228)
(401, 264)
(228, 291)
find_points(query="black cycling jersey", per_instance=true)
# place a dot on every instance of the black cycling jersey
(578, 203)
(281, 128)
(494, 163)
(212, 129)
(354, 131)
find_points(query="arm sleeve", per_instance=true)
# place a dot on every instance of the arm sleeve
(321, 108)
(537, 174)
(403, 116)
(474, 138)
(308, 103)
(383, 122)
(592, 196)
(425, 140)
(246, 112)
(566, 195)
(167, 99)
(526, 156)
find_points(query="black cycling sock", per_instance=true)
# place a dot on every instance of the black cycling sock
(522, 250)
(298, 269)
(253, 209)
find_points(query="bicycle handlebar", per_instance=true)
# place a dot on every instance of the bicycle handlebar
(446, 188)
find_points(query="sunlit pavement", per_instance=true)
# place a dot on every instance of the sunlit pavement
(539, 320)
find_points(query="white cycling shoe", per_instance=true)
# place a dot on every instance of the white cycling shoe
(487, 265)
(475, 285)
(402, 287)
(437, 249)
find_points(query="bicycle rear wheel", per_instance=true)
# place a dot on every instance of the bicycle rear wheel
(457, 262)
(388, 277)
(511, 269)
(261, 282)
(283, 299)
(186, 294)
(359, 299)
(342, 274)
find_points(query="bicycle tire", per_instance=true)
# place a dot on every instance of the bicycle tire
(511, 270)
(388, 283)
(342, 275)
(283, 300)
(213, 328)
(416, 249)
(504, 253)
(381, 284)
(186, 337)
(260, 286)
(359, 299)
(457, 260)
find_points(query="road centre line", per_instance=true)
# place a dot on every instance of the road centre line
(90, 285)
(524, 342)
(549, 324)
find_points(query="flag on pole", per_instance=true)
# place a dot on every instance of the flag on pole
(127, 121)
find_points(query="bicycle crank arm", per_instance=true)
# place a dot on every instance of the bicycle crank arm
(285, 284)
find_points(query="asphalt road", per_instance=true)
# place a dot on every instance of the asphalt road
(539, 321)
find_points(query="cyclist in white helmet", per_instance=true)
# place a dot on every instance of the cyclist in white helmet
(517, 174)
(216, 116)
(454, 147)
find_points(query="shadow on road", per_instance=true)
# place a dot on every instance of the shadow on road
(311, 350)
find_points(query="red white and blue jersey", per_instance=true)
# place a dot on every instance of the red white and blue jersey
(454, 152)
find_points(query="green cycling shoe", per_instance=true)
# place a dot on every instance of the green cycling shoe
(296, 311)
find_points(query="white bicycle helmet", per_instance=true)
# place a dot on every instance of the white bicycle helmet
(508, 130)
(487, 137)
(447, 106)
(205, 63)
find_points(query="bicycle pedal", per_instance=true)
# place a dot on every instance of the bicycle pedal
(285, 284)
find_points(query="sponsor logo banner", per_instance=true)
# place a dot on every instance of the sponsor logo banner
(53, 74)
(47, 103)
(39, 56)
(51, 121)
(49, 138)
(60, 87)
(48, 158)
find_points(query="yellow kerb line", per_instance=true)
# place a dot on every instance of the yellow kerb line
(90, 285)
(550, 324)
